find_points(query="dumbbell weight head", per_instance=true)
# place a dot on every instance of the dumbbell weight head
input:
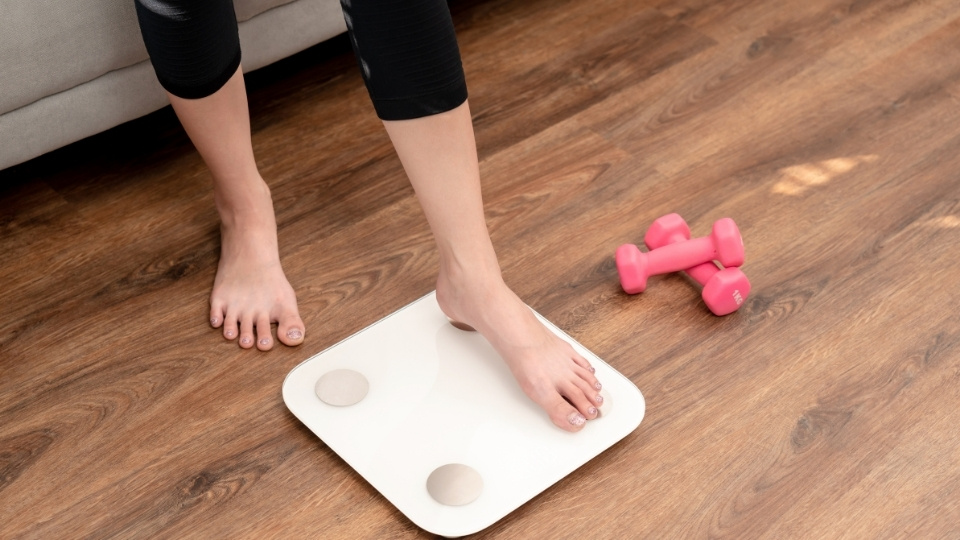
(631, 262)
(667, 229)
(728, 242)
(630, 267)
(725, 292)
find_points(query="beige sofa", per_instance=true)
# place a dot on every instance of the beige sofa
(70, 69)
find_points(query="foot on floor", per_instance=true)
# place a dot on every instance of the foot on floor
(251, 291)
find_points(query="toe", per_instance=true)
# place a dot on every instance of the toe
(230, 330)
(216, 315)
(290, 329)
(583, 398)
(582, 362)
(589, 381)
(563, 415)
(264, 338)
(246, 332)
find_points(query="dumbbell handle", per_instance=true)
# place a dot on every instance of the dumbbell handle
(680, 255)
(701, 273)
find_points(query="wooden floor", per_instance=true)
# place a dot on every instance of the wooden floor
(827, 407)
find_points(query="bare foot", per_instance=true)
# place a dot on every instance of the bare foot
(549, 371)
(251, 290)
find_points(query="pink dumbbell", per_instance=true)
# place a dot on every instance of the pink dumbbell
(723, 244)
(723, 290)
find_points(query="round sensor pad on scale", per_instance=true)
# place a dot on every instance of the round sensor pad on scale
(342, 387)
(454, 484)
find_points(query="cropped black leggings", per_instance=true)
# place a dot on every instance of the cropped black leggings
(406, 49)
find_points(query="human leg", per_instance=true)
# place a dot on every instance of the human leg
(411, 65)
(439, 156)
(196, 52)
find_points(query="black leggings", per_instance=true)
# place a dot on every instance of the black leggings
(406, 49)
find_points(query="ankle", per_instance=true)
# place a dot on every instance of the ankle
(462, 284)
(472, 256)
(244, 203)
(469, 272)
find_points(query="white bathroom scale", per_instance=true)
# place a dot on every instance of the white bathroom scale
(426, 412)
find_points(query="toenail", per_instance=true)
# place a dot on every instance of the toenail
(214, 321)
(264, 341)
(593, 369)
(598, 386)
(592, 411)
(228, 333)
(294, 333)
(246, 341)
(576, 419)
(599, 398)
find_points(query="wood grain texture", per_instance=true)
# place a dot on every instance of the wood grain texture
(825, 408)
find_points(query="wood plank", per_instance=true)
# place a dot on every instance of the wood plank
(824, 408)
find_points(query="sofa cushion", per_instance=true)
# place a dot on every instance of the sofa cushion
(48, 46)
(127, 93)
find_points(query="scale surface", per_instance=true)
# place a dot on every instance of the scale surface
(440, 396)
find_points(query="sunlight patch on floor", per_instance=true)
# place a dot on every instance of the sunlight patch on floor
(796, 179)
(945, 222)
